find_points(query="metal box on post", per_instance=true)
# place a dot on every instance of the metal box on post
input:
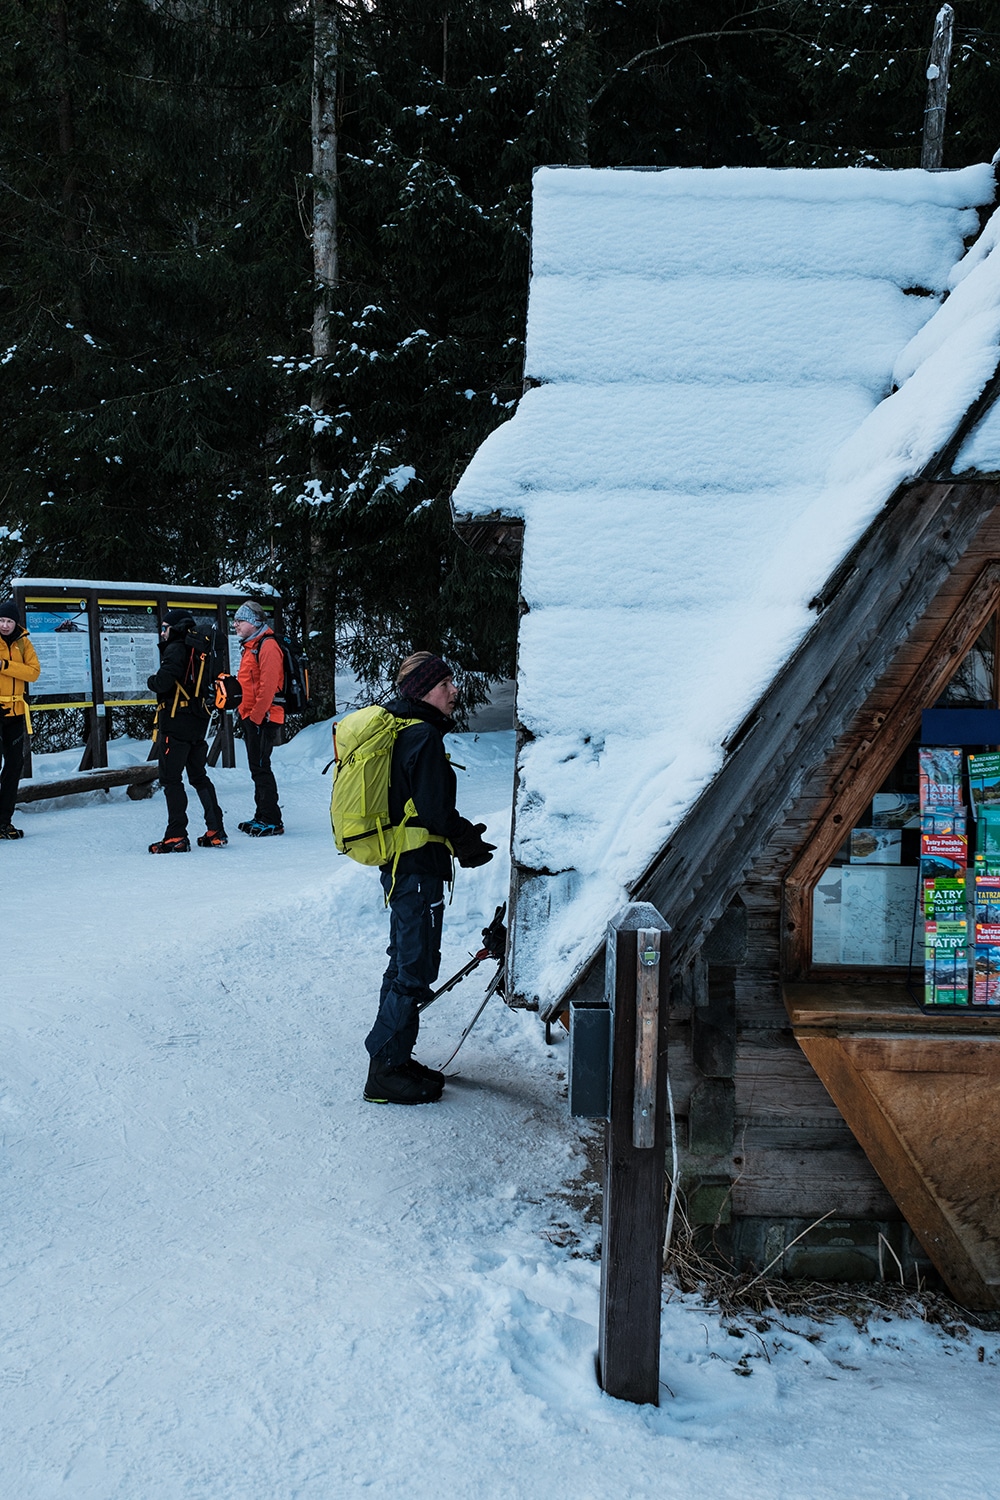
(590, 1061)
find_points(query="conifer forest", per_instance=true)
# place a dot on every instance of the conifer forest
(265, 263)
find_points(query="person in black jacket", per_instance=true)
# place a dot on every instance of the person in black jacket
(420, 770)
(181, 725)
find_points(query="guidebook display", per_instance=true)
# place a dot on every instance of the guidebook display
(961, 926)
(884, 904)
(944, 858)
(984, 789)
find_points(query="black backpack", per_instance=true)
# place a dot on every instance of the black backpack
(294, 695)
(204, 660)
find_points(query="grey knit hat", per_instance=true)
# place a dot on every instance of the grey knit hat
(250, 611)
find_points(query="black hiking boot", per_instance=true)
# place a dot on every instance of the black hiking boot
(398, 1086)
(171, 846)
(429, 1075)
(258, 830)
(213, 838)
(8, 831)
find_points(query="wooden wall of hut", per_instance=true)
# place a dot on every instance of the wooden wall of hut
(766, 1153)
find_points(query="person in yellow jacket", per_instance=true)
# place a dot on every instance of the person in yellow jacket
(18, 666)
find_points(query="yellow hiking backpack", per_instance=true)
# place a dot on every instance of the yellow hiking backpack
(359, 808)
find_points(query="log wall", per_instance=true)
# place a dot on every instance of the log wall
(765, 1150)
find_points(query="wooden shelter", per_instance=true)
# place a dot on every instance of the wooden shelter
(829, 1125)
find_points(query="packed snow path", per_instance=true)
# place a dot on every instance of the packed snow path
(226, 1277)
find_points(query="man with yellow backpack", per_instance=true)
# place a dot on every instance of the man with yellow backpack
(394, 806)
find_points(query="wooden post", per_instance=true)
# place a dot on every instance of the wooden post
(638, 988)
(96, 751)
(938, 66)
(227, 742)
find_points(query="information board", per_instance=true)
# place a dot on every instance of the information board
(129, 655)
(864, 914)
(59, 631)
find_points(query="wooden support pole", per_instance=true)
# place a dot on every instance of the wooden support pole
(227, 740)
(98, 738)
(638, 985)
(938, 67)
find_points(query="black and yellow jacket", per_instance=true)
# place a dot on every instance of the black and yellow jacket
(18, 666)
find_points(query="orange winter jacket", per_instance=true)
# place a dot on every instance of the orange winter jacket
(261, 676)
(18, 666)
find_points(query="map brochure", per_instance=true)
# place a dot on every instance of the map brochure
(988, 832)
(943, 854)
(876, 909)
(986, 901)
(897, 810)
(944, 900)
(876, 846)
(940, 776)
(986, 972)
(943, 820)
(984, 781)
(946, 963)
(987, 865)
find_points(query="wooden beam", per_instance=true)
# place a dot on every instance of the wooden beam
(635, 1145)
(938, 67)
(87, 781)
(938, 1162)
(501, 538)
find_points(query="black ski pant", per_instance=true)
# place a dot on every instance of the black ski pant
(176, 757)
(12, 750)
(416, 910)
(259, 740)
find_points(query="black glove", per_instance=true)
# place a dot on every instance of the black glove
(469, 846)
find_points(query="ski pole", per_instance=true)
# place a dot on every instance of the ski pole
(450, 984)
(495, 984)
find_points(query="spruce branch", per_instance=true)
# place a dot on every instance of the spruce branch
(723, 32)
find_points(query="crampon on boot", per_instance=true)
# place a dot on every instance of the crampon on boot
(258, 830)
(8, 831)
(213, 838)
(171, 846)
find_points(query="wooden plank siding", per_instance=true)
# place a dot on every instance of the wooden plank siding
(793, 1154)
(831, 727)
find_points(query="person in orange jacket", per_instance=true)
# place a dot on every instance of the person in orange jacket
(18, 666)
(261, 676)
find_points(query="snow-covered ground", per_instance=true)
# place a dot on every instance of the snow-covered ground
(226, 1277)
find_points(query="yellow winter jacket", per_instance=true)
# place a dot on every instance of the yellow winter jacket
(18, 666)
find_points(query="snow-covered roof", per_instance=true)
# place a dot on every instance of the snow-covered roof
(715, 425)
(188, 590)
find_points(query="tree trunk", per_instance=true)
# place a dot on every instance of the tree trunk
(938, 65)
(67, 150)
(320, 604)
(324, 166)
(578, 57)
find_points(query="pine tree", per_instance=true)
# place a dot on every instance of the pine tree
(426, 327)
(153, 261)
(861, 85)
